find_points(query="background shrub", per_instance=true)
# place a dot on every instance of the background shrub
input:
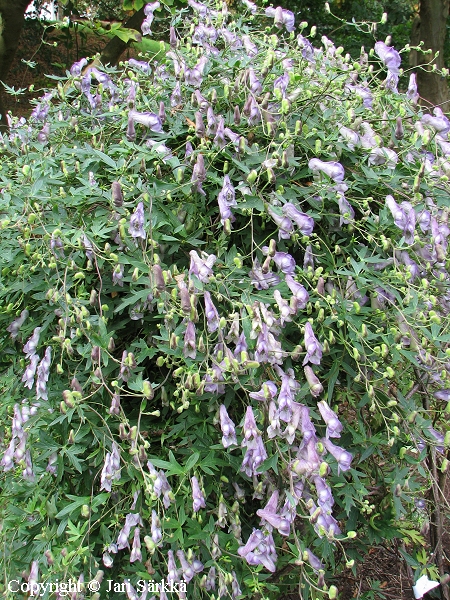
(210, 267)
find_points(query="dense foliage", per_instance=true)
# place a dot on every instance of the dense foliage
(224, 316)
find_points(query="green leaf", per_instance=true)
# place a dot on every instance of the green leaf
(191, 461)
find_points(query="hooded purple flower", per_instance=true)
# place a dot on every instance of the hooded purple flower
(404, 217)
(268, 391)
(334, 426)
(304, 222)
(137, 221)
(286, 311)
(342, 457)
(190, 349)
(198, 175)
(346, 210)
(197, 495)
(211, 314)
(262, 281)
(334, 170)
(313, 348)
(111, 468)
(284, 223)
(226, 199)
(300, 294)
(32, 343)
(148, 119)
(389, 56)
(269, 515)
(315, 387)
(259, 550)
(228, 428)
(202, 267)
(43, 372)
(282, 17)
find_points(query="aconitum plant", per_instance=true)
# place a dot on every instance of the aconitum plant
(224, 306)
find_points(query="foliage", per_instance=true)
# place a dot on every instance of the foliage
(190, 282)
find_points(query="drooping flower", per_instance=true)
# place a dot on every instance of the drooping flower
(259, 550)
(313, 348)
(342, 457)
(137, 222)
(281, 17)
(300, 294)
(111, 468)
(269, 515)
(315, 387)
(197, 495)
(190, 349)
(43, 372)
(333, 169)
(383, 156)
(389, 56)
(404, 217)
(148, 119)
(202, 267)
(334, 426)
(228, 428)
(32, 343)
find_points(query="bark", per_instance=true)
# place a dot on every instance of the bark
(12, 16)
(433, 88)
(115, 48)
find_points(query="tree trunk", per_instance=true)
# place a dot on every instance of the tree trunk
(12, 16)
(114, 48)
(432, 30)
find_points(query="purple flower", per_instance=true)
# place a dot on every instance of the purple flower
(212, 122)
(315, 387)
(342, 457)
(43, 372)
(201, 267)
(285, 309)
(155, 528)
(268, 391)
(32, 343)
(226, 199)
(30, 371)
(313, 348)
(389, 56)
(334, 426)
(190, 349)
(211, 314)
(346, 210)
(136, 553)
(315, 563)
(404, 217)
(228, 428)
(255, 455)
(194, 76)
(137, 221)
(300, 294)
(176, 97)
(249, 45)
(269, 515)
(262, 281)
(284, 224)
(77, 67)
(383, 156)
(282, 17)
(219, 139)
(111, 469)
(334, 170)
(197, 495)
(259, 550)
(324, 496)
(148, 119)
(117, 276)
(412, 92)
(308, 259)
(282, 83)
(304, 222)
(198, 175)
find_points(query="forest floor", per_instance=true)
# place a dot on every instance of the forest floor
(383, 574)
